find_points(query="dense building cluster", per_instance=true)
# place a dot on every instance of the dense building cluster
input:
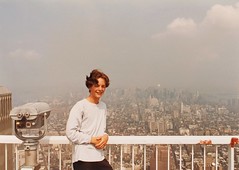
(152, 111)
(155, 111)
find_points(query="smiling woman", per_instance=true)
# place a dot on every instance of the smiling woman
(86, 126)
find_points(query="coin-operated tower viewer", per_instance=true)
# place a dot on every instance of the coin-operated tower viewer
(30, 125)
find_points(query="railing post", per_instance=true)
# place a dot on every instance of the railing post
(72, 148)
(230, 157)
(121, 157)
(216, 163)
(49, 157)
(17, 158)
(169, 157)
(110, 154)
(156, 157)
(60, 157)
(180, 158)
(132, 157)
(144, 157)
(5, 156)
(192, 157)
(204, 157)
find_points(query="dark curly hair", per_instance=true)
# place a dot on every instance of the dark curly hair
(94, 75)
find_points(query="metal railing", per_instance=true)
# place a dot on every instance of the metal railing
(133, 141)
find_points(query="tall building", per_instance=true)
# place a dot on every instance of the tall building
(5, 108)
(5, 123)
(162, 158)
(181, 109)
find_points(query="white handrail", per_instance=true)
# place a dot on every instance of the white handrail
(231, 141)
(215, 140)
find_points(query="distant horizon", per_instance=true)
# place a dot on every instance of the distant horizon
(52, 45)
(30, 95)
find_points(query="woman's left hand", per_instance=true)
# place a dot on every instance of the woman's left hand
(102, 141)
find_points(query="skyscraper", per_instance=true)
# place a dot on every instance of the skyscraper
(5, 121)
(162, 158)
(5, 108)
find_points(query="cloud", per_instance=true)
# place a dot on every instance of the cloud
(219, 17)
(216, 33)
(179, 26)
(226, 17)
(24, 54)
(182, 25)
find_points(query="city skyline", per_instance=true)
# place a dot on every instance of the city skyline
(151, 112)
(55, 44)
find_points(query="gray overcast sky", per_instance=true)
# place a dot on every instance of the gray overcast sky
(138, 43)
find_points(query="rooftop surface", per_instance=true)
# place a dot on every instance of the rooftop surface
(4, 90)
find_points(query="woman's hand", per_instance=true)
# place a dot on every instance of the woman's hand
(100, 141)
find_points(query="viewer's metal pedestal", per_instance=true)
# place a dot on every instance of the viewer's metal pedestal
(30, 147)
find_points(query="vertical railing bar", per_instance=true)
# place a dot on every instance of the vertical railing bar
(60, 156)
(144, 157)
(156, 157)
(180, 159)
(17, 161)
(192, 157)
(110, 154)
(204, 157)
(5, 156)
(216, 156)
(230, 157)
(13, 153)
(38, 151)
(168, 157)
(49, 157)
(121, 157)
(132, 157)
(72, 149)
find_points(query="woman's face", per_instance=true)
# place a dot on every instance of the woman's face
(97, 90)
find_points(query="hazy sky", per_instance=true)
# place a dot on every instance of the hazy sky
(138, 43)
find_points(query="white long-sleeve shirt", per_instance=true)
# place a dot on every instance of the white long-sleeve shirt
(85, 120)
